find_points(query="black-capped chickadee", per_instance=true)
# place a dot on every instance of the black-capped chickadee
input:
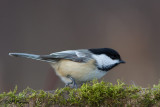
(78, 66)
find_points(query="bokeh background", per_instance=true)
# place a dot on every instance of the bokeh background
(45, 26)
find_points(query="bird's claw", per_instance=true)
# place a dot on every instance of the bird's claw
(73, 82)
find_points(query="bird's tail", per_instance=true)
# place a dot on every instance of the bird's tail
(33, 56)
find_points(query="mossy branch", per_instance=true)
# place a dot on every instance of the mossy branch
(90, 94)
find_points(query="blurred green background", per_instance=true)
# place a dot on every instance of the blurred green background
(46, 26)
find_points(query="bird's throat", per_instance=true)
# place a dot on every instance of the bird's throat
(107, 68)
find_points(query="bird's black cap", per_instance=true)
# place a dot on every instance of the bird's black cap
(107, 51)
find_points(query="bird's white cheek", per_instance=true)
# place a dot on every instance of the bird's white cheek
(103, 60)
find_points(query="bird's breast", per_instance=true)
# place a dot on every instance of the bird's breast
(79, 71)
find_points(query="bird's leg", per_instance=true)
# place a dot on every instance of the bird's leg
(72, 82)
(67, 84)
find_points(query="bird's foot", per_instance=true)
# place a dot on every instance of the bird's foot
(67, 84)
(73, 82)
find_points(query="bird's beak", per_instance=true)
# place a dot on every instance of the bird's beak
(121, 61)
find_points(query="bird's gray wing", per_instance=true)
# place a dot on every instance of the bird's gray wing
(73, 55)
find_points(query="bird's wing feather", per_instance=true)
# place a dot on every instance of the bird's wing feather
(77, 56)
(73, 55)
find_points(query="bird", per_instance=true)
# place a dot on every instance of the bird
(79, 66)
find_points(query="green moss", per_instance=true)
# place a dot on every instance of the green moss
(90, 94)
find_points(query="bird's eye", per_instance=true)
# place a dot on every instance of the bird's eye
(115, 57)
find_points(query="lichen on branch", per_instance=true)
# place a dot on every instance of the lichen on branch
(89, 94)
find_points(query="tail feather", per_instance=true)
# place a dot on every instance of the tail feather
(32, 56)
